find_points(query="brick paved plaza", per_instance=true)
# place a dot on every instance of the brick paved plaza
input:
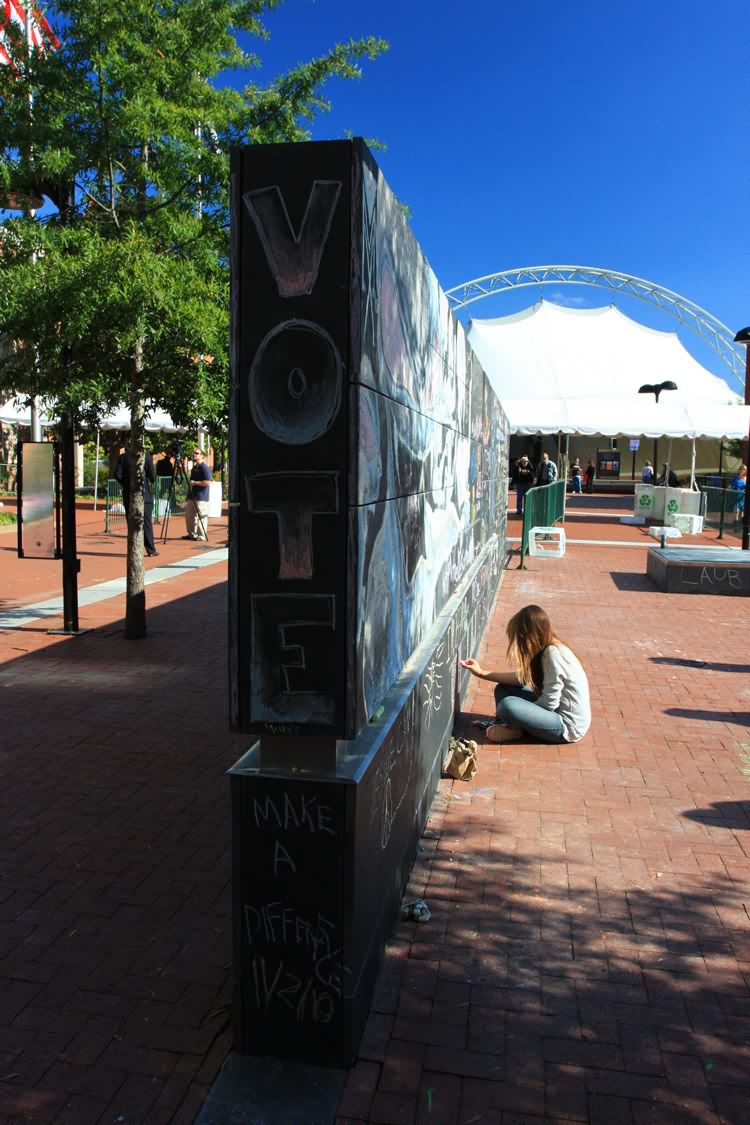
(588, 957)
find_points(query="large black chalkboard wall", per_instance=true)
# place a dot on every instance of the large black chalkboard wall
(368, 457)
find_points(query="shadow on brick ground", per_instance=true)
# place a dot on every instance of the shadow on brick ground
(114, 900)
(738, 718)
(724, 814)
(533, 998)
(709, 665)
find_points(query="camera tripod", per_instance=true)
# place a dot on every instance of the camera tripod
(179, 476)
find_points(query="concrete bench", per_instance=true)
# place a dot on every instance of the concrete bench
(705, 570)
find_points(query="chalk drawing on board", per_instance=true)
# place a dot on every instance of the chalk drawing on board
(395, 771)
(433, 685)
(295, 383)
(294, 256)
(294, 498)
(293, 674)
(369, 265)
(296, 661)
(277, 923)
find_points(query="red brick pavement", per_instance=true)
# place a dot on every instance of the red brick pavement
(102, 556)
(588, 956)
(114, 903)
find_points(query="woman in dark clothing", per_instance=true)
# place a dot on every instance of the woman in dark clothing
(523, 479)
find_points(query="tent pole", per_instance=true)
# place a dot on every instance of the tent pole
(96, 468)
(692, 467)
(36, 422)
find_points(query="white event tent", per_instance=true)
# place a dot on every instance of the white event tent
(577, 371)
(14, 413)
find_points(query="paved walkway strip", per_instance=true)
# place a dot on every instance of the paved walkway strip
(90, 595)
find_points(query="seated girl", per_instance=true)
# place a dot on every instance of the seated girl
(547, 697)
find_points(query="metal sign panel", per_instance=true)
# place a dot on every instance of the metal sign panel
(37, 538)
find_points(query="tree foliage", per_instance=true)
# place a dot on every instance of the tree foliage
(129, 110)
(121, 294)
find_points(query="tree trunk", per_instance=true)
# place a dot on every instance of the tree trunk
(135, 604)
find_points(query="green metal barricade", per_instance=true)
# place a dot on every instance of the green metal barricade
(543, 506)
(115, 518)
(160, 489)
(723, 509)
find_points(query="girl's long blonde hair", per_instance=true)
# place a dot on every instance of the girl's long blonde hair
(529, 632)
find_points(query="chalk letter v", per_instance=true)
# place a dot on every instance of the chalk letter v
(294, 258)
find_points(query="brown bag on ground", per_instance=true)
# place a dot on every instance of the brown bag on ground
(462, 759)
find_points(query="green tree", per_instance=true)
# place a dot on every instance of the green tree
(121, 294)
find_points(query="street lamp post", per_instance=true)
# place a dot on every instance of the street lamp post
(743, 337)
(655, 389)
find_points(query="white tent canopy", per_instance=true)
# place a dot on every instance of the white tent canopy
(14, 413)
(564, 370)
(636, 416)
(156, 420)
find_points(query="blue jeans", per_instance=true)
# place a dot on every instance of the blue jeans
(516, 706)
(521, 490)
(576, 484)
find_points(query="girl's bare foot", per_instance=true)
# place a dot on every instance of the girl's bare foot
(498, 733)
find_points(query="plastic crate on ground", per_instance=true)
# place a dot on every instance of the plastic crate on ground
(686, 523)
(547, 542)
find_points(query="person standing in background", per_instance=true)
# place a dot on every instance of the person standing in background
(590, 474)
(165, 464)
(739, 484)
(523, 479)
(196, 506)
(576, 477)
(122, 474)
(668, 477)
(547, 471)
(647, 474)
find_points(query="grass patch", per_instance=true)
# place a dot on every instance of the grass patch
(7, 517)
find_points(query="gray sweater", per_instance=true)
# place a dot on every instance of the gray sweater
(566, 690)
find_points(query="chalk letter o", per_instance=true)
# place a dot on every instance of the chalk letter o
(294, 384)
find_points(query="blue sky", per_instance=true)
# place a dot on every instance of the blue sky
(611, 133)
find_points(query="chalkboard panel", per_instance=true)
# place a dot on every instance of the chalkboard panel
(368, 451)
(290, 931)
(289, 434)
(369, 470)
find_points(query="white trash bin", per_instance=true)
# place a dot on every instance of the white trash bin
(681, 501)
(214, 499)
(649, 501)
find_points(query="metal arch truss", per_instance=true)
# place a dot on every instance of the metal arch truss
(718, 337)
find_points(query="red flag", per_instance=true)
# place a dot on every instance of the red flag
(41, 34)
